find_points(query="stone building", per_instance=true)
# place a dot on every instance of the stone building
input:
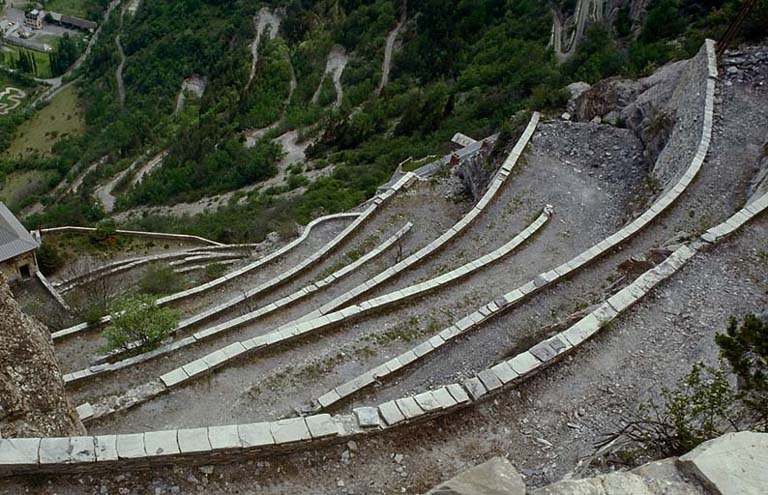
(17, 248)
(34, 19)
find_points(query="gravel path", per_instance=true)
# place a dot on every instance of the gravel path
(388, 49)
(119, 71)
(263, 20)
(334, 68)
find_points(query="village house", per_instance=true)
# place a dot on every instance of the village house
(17, 248)
(34, 19)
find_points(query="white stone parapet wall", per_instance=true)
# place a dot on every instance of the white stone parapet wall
(226, 326)
(359, 218)
(326, 315)
(135, 233)
(219, 443)
(209, 444)
(51, 290)
(502, 303)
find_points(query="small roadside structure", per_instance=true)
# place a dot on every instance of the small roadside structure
(72, 22)
(17, 248)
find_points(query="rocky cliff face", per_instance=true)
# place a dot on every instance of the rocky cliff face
(32, 397)
(651, 107)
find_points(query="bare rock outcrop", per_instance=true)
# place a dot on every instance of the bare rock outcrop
(32, 398)
(647, 106)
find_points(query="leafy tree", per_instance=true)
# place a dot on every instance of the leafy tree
(137, 319)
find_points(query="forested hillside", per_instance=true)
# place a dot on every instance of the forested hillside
(461, 66)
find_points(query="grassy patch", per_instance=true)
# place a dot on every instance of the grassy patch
(11, 53)
(77, 8)
(62, 117)
(20, 185)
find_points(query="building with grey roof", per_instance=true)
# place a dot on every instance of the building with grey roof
(17, 248)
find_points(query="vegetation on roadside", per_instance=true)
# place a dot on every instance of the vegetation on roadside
(137, 319)
(467, 68)
(704, 404)
(160, 280)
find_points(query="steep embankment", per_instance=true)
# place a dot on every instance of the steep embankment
(32, 398)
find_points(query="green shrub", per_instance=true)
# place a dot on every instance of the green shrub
(49, 259)
(94, 312)
(214, 271)
(137, 319)
(160, 279)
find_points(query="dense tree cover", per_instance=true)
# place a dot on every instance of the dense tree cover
(671, 29)
(464, 65)
(67, 51)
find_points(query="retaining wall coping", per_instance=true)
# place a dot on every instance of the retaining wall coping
(161, 443)
(474, 386)
(255, 434)
(192, 440)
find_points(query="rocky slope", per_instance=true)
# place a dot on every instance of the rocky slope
(32, 398)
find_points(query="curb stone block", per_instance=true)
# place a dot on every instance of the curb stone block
(161, 443)
(323, 425)
(604, 313)
(85, 411)
(328, 399)
(391, 413)
(423, 349)
(523, 363)
(289, 430)
(54, 451)
(504, 372)
(224, 437)
(409, 407)
(458, 393)
(444, 398)
(255, 435)
(542, 351)
(475, 388)
(584, 328)
(622, 300)
(380, 371)
(82, 449)
(106, 448)
(195, 367)
(367, 417)
(489, 379)
(130, 446)
(393, 365)
(193, 440)
(558, 345)
(426, 401)
(19, 451)
(407, 357)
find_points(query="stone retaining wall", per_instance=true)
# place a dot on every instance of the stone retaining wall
(52, 291)
(506, 301)
(260, 262)
(226, 326)
(135, 233)
(221, 443)
(327, 315)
